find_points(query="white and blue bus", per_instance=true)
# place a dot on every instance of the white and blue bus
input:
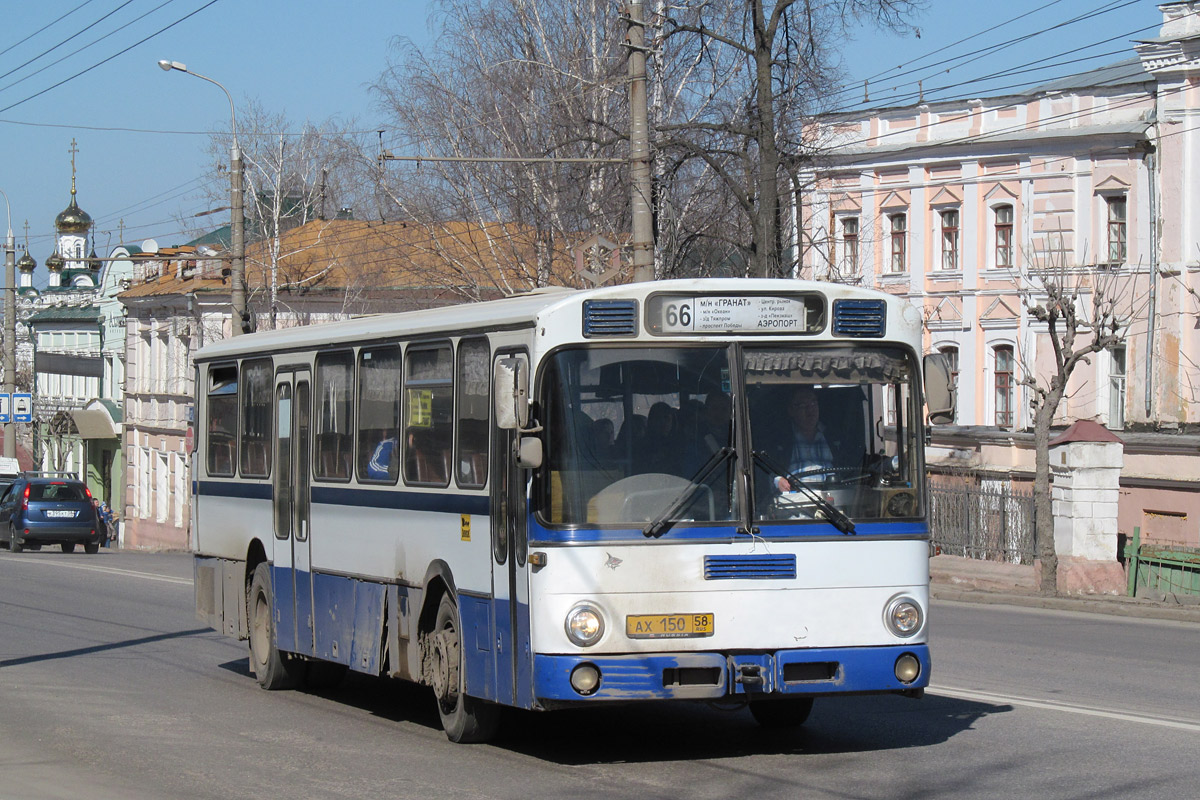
(681, 490)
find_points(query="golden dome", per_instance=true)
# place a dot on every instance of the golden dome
(73, 219)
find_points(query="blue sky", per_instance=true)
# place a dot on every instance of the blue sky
(142, 132)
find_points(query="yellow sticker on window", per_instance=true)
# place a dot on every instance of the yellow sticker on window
(420, 408)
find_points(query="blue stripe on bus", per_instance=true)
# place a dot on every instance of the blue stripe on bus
(835, 670)
(540, 535)
(446, 502)
(248, 490)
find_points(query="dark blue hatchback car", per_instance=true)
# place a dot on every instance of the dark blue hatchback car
(38, 510)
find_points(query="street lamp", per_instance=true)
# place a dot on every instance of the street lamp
(237, 267)
(10, 330)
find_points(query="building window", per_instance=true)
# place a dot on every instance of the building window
(850, 244)
(1004, 386)
(1116, 387)
(1004, 236)
(899, 224)
(950, 239)
(1116, 229)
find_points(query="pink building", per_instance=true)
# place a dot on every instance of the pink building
(956, 205)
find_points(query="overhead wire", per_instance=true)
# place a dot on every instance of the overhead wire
(81, 49)
(141, 41)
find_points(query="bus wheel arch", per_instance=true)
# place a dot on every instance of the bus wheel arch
(464, 718)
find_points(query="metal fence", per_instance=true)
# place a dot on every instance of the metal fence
(984, 519)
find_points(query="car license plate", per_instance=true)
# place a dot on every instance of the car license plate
(60, 513)
(668, 626)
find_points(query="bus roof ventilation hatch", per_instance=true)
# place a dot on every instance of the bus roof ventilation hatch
(609, 318)
(859, 318)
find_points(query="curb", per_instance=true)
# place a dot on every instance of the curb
(1113, 606)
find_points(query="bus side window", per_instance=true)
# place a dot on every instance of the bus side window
(333, 422)
(379, 373)
(220, 429)
(428, 414)
(256, 418)
(474, 408)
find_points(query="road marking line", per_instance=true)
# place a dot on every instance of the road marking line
(988, 697)
(150, 576)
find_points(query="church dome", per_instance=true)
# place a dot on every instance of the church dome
(26, 262)
(54, 262)
(73, 219)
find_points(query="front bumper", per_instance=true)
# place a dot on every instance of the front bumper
(697, 676)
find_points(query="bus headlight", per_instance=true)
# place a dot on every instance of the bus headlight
(585, 625)
(903, 616)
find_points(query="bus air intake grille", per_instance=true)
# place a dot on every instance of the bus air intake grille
(859, 318)
(609, 318)
(755, 567)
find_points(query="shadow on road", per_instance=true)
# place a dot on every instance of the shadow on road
(100, 648)
(680, 731)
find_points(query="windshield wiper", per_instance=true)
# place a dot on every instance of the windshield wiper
(832, 513)
(659, 525)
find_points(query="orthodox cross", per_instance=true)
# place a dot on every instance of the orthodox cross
(74, 149)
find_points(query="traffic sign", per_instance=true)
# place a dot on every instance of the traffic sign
(22, 407)
(5, 407)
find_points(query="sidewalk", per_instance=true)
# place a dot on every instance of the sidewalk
(969, 580)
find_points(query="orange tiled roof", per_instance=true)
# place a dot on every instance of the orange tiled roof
(462, 258)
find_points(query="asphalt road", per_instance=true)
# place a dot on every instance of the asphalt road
(109, 688)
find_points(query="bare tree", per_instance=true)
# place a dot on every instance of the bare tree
(515, 80)
(293, 175)
(1084, 313)
(761, 70)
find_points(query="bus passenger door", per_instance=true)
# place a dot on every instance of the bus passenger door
(510, 582)
(292, 575)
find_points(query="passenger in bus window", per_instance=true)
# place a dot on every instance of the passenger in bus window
(807, 452)
(658, 449)
(716, 420)
(382, 467)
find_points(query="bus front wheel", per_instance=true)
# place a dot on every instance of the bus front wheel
(272, 669)
(789, 712)
(465, 719)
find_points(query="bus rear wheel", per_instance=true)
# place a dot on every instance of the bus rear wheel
(272, 669)
(788, 712)
(465, 719)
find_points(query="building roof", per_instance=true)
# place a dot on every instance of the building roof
(86, 313)
(1121, 73)
(457, 258)
(219, 237)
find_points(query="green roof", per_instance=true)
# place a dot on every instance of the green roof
(88, 313)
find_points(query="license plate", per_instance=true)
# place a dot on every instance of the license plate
(668, 626)
(60, 514)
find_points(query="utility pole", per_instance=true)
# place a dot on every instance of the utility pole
(237, 222)
(10, 332)
(237, 267)
(639, 147)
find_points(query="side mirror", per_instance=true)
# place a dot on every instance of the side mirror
(529, 452)
(939, 389)
(511, 382)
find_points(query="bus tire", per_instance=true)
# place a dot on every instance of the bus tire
(788, 712)
(272, 669)
(465, 719)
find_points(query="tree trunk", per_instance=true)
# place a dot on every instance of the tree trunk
(1043, 501)
(766, 219)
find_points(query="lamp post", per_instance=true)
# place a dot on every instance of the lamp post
(237, 267)
(10, 330)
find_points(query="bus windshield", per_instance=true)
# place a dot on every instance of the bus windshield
(832, 425)
(630, 430)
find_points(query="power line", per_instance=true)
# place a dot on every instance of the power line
(110, 58)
